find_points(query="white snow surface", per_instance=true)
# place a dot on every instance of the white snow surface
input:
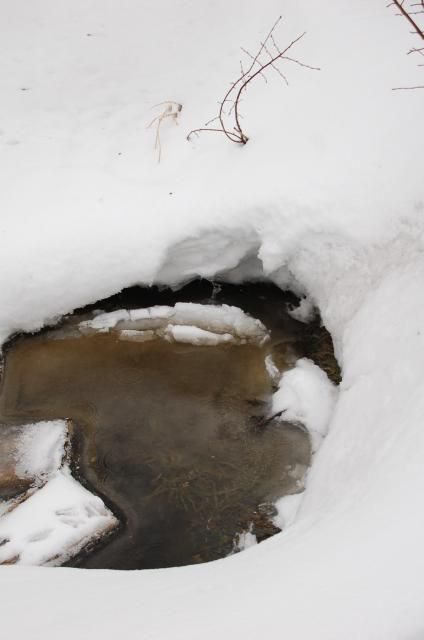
(40, 449)
(54, 523)
(193, 335)
(304, 312)
(306, 396)
(287, 508)
(205, 324)
(326, 197)
(245, 540)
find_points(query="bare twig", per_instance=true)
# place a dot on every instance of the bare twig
(407, 13)
(229, 119)
(408, 16)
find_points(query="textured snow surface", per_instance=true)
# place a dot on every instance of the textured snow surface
(287, 508)
(40, 449)
(304, 312)
(57, 516)
(185, 322)
(327, 198)
(306, 396)
(53, 524)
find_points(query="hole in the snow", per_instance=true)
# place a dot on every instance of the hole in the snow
(174, 437)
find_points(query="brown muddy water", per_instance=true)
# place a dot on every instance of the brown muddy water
(173, 437)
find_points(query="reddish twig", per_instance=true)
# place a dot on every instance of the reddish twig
(417, 29)
(408, 15)
(234, 131)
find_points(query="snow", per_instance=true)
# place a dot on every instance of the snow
(304, 312)
(31, 452)
(185, 322)
(134, 335)
(196, 336)
(40, 449)
(287, 508)
(272, 369)
(56, 517)
(245, 540)
(306, 396)
(326, 198)
(53, 524)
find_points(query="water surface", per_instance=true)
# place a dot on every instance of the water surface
(173, 437)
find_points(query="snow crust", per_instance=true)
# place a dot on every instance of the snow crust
(57, 516)
(40, 449)
(194, 335)
(306, 396)
(326, 198)
(53, 524)
(198, 324)
(31, 452)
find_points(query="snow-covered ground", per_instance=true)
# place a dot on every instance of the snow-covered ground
(326, 198)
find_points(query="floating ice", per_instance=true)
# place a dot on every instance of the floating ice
(200, 324)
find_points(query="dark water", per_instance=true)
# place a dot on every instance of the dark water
(173, 437)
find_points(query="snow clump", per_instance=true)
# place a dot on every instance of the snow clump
(53, 524)
(306, 396)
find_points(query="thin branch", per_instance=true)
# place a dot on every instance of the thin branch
(274, 66)
(257, 67)
(245, 84)
(406, 14)
(252, 57)
(242, 77)
(302, 64)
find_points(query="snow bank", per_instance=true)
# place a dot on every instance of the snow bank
(306, 396)
(53, 524)
(187, 322)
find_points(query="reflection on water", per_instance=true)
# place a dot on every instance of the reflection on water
(170, 435)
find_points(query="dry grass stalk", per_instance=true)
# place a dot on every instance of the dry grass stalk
(171, 110)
